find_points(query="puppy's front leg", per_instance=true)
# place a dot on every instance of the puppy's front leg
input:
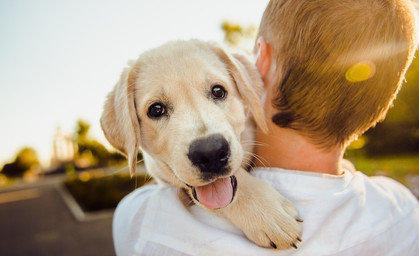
(266, 217)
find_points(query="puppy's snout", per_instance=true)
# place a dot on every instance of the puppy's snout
(210, 154)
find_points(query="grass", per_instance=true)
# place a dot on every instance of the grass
(403, 168)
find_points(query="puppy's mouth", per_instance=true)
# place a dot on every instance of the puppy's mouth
(217, 194)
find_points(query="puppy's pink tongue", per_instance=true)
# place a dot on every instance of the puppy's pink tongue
(217, 194)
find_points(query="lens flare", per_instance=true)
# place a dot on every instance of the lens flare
(361, 71)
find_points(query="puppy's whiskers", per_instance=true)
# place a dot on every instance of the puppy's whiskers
(260, 160)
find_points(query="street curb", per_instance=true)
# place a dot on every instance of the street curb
(77, 211)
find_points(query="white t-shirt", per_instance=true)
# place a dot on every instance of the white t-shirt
(350, 214)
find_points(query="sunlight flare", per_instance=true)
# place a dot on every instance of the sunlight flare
(361, 71)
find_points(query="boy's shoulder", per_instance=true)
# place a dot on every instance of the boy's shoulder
(390, 189)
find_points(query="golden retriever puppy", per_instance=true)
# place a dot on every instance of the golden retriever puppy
(190, 107)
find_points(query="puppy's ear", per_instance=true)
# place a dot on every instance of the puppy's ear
(248, 82)
(119, 120)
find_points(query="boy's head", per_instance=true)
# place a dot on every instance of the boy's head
(338, 64)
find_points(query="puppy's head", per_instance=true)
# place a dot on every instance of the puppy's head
(185, 105)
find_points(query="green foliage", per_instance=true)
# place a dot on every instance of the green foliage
(237, 36)
(405, 110)
(99, 193)
(392, 138)
(403, 168)
(98, 153)
(399, 132)
(82, 130)
(25, 161)
(93, 151)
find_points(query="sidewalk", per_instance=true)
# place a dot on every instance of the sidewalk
(35, 220)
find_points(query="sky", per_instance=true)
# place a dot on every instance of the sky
(59, 59)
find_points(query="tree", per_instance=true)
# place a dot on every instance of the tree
(25, 160)
(82, 130)
(90, 151)
(237, 36)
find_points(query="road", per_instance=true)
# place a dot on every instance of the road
(34, 220)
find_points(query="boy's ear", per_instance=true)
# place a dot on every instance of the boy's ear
(263, 58)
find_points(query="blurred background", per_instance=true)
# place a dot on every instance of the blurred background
(59, 179)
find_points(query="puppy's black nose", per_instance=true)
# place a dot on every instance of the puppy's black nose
(210, 154)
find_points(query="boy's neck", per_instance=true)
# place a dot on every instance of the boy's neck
(287, 149)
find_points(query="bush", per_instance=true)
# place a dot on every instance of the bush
(99, 193)
(392, 139)
(25, 160)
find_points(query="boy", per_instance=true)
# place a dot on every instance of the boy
(331, 69)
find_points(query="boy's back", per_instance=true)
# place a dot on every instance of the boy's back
(350, 214)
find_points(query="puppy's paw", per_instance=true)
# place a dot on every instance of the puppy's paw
(266, 217)
(275, 224)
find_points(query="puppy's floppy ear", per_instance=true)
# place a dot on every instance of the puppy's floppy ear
(119, 120)
(248, 82)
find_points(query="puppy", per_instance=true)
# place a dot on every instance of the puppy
(190, 107)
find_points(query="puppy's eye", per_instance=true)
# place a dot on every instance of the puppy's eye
(218, 92)
(156, 110)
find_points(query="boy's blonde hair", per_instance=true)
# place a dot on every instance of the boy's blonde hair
(340, 63)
